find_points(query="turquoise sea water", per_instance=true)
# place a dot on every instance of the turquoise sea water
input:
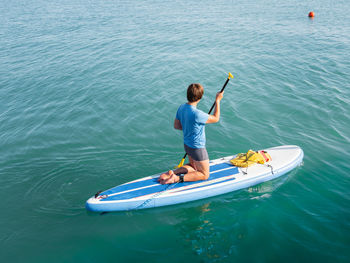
(88, 94)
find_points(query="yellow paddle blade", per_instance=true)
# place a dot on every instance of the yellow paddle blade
(181, 163)
(230, 76)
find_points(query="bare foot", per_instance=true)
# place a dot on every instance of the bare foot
(168, 178)
(172, 179)
(165, 176)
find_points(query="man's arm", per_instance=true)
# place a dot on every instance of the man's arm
(216, 116)
(177, 124)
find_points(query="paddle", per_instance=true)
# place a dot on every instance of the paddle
(212, 107)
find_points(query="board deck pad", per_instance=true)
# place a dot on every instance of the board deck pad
(151, 185)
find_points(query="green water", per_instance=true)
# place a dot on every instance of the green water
(88, 95)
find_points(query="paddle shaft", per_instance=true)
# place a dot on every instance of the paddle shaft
(212, 107)
(222, 90)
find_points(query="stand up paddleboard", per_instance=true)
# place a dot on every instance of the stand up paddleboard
(224, 177)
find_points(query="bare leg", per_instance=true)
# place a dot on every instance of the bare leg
(195, 171)
(187, 168)
(201, 171)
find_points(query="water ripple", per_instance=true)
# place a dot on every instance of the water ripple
(88, 95)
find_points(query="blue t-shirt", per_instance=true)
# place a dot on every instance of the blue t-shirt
(193, 125)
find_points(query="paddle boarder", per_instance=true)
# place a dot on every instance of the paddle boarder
(192, 122)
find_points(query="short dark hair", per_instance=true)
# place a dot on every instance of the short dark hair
(195, 92)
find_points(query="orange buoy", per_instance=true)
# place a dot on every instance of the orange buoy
(311, 14)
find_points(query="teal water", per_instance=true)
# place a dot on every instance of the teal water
(88, 94)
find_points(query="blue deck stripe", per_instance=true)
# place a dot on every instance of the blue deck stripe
(130, 186)
(158, 187)
(153, 181)
(219, 166)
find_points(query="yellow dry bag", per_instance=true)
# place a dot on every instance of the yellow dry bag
(251, 157)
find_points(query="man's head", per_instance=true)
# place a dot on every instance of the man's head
(194, 92)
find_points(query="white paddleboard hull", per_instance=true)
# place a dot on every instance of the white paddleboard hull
(227, 179)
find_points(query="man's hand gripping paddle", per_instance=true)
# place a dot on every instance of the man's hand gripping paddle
(230, 76)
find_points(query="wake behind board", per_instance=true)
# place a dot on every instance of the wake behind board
(224, 177)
